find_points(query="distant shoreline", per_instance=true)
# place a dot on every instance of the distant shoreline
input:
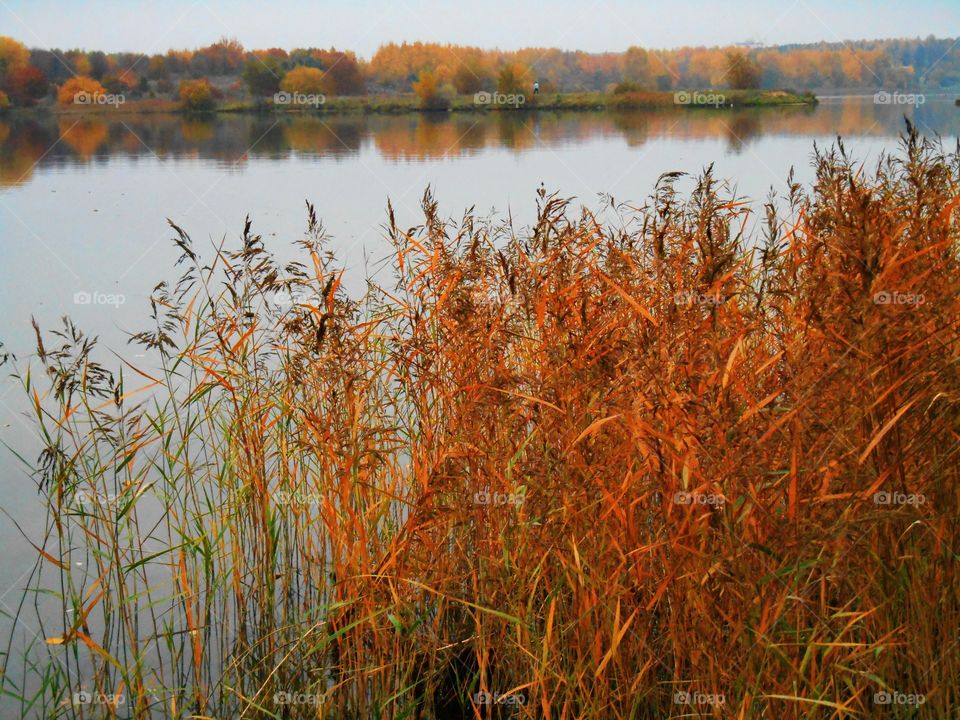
(696, 100)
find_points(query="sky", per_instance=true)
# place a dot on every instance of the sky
(363, 25)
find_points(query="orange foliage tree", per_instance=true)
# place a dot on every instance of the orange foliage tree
(429, 90)
(76, 87)
(197, 95)
(13, 55)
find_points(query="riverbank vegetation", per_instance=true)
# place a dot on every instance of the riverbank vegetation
(241, 77)
(662, 461)
(198, 97)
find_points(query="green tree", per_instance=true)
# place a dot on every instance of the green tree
(263, 75)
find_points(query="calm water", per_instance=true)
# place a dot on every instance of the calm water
(84, 203)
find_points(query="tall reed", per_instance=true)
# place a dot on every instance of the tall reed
(667, 465)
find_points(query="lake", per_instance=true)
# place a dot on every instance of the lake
(84, 203)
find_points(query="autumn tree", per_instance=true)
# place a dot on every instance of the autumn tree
(305, 80)
(224, 57)
(636, 67)
(26, 85)
(77, 60)
(472, 76)
(466, 80)
(73, 88)
(123, 83)
(429, 90)
(157, 67)
(197, 96)
(342, 70)
(707, 68)
(514, 78)
(263, 75)
(14, 55)
(743, 71)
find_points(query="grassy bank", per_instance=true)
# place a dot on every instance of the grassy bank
(654, 467)
(395, 104)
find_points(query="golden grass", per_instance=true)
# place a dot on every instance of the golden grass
(584, 468)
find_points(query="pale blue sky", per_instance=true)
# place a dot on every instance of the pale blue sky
(362, 25)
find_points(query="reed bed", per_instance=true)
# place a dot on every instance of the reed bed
(681, 463)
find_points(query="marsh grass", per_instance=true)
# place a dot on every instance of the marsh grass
(467, 480)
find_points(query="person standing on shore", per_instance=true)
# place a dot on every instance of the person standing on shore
(536, 87)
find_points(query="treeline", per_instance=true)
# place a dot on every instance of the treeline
(227, 69)
(881, 64)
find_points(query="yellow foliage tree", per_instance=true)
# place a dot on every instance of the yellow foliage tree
(14, 55)
(197, 95)
(306, 80)
(515, 78)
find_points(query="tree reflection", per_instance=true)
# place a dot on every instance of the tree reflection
(84, 136)
(425, 137)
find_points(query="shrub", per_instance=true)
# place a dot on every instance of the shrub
(197, 96)
(76, 87)
(305, 80)
(432, 95)
(624, 87)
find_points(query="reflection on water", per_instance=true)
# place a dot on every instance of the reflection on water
(26, 142)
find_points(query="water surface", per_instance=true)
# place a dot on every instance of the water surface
(84, 203)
